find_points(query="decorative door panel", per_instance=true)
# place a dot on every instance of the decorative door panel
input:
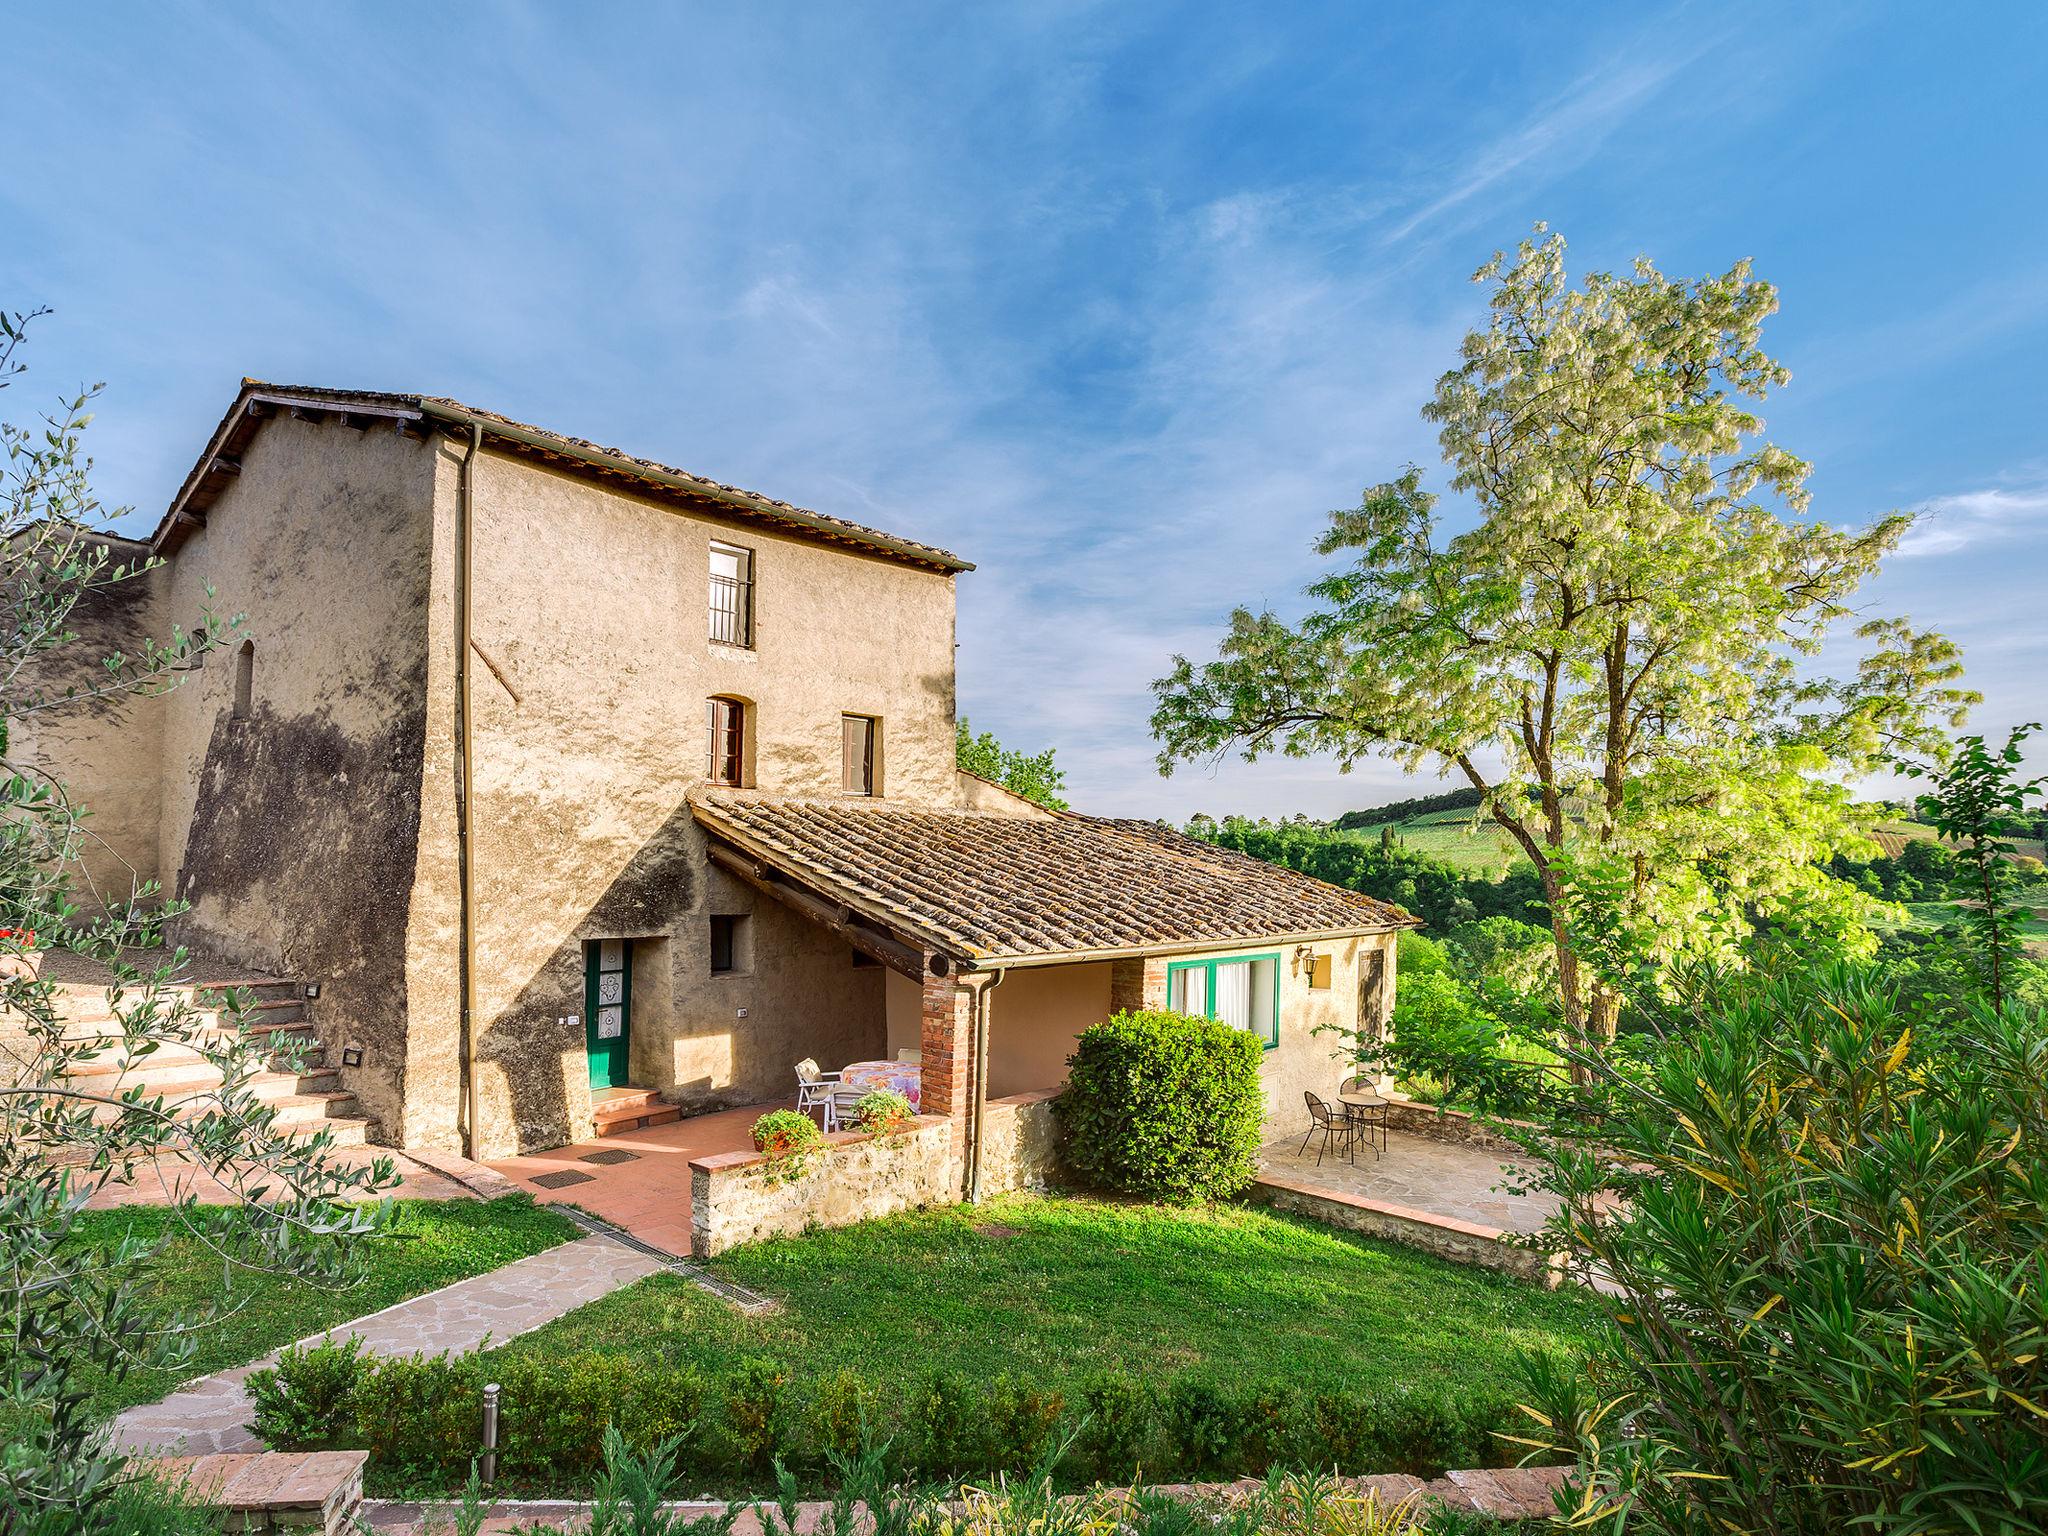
(608, 1010)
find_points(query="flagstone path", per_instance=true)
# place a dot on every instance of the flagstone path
(212, 1413)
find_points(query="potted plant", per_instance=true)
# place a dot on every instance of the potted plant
(789, 1141)
(882, 1112)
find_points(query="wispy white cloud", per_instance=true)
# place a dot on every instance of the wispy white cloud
(1943, 525)
(1561, 134)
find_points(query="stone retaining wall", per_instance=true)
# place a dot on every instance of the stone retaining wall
(1454, 1125)
(1462, 1242)
(857, 1177)
(273, 1490)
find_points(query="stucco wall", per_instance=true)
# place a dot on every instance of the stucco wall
(1035, 1016)
(592, 604)
(106, 752)
(293, 833)
(1039, 1011)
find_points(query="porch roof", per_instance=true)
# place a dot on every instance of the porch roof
(1007, 889)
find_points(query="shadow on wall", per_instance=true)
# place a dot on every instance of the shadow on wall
(802, 990)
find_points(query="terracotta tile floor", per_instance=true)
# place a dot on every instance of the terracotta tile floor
(649, 1196)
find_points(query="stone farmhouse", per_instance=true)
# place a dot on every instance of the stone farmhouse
(575, 792)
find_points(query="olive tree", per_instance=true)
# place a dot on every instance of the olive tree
(74, 1308)
(1619, 653)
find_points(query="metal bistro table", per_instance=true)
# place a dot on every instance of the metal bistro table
(1367, 1112)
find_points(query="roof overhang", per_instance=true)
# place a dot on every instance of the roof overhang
(859, 909)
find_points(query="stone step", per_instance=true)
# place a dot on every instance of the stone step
(179, 1081)
(170, 1059)
(294, 1109)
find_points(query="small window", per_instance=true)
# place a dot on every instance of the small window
(245, 679)
(726, 721)
(857, 739)
(728, 945)
(1245, 994)
(732, 595)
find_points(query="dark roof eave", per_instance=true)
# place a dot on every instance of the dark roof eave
(1199, 946)
(903, 549)
(449, 413)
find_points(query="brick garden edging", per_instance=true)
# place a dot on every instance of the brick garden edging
(1507, 1493)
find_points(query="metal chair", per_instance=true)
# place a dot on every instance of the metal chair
(814, 1090)
(1366, 1111)
(1333, 1127)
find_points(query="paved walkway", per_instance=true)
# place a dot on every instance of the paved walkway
(1441, 1178)
(639, 1180)
(212, 1413)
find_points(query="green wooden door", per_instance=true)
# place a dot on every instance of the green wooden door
(608, 1010)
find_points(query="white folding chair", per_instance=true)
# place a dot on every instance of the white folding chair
(814, 1090)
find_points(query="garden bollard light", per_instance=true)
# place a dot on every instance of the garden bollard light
(489, 1472)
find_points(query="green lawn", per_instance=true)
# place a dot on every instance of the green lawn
(1061, 1289)
(431, 1244)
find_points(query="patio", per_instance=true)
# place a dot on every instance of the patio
(1418, 1173)
(638, 1180)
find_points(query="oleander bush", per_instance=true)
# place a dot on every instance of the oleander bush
(420, 1419)
(1827, 1276)
(1165, 1106)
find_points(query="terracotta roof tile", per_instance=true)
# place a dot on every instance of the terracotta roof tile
(987, 887)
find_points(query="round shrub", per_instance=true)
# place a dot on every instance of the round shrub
(1163, 1105)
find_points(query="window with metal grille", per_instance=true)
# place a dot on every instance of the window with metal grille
(857, 735)
(732, 595)
(726, 720)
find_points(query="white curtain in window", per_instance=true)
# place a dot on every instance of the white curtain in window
(1234, 994)
(1188, 992)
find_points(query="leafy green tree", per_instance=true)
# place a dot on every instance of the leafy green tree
(1033, 777)
(72, 1307)
(1613, 655)
(1978, 801)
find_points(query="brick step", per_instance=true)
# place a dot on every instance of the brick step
(640, 1120)
(618, 1110)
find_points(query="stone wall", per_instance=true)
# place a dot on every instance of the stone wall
(1452, 1125)
(858, 1177)
(1021, 1143)
(1462, 1242)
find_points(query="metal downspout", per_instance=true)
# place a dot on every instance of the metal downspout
(465, 505)
(974, 1123)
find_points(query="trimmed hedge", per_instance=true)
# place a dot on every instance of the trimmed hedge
(420, 1419)
(1165, 1106)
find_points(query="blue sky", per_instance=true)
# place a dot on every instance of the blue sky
(1116, 301)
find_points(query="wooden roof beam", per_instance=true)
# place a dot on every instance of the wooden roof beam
(902, 958)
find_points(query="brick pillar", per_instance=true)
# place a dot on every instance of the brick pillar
(1137, 983)
(945, 1077)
